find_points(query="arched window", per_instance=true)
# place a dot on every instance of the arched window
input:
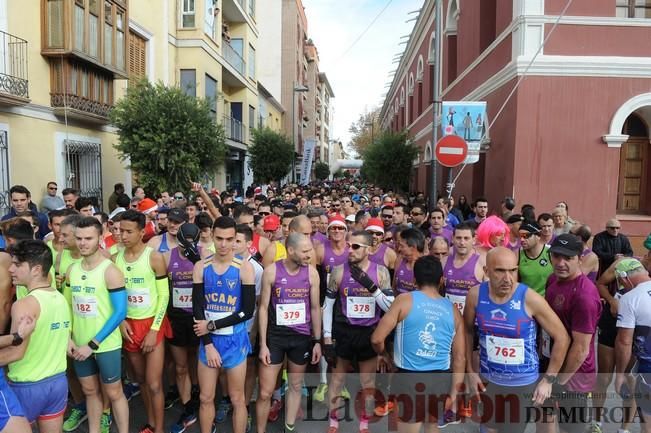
(431, 58)
(634, 189)
(452, 17)
(410, 86)
(428, 153)
(419, 69)
(402, 97)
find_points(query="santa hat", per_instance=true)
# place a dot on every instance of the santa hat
(147, 205)
(374, 225)
(337, 220)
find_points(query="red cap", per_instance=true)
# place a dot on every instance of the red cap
(147, 205)
(271, 223)
(374, 225)
(337, 220)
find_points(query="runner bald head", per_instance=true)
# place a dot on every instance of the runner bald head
(301, 224)
(501, 256)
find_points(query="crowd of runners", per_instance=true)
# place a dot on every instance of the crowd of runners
(222, 303)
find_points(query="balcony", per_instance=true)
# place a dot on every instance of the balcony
(233, 129)
(233, 58)
(234, 11)
(81, 108)
(14, 89)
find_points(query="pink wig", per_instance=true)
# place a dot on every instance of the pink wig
(491, 226)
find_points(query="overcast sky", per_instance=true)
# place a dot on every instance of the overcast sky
(357, 71)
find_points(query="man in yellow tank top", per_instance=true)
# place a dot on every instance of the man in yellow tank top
(37, 365)
(146, 326)
(69, 254)
(98, 302)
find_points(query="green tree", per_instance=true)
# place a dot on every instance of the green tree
(168, 136)
(272, 155)
(321, 170)
(365, 130)
(388, 161)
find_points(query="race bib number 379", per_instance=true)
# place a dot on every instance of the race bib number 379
(290, 314)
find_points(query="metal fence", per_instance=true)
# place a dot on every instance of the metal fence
(13, 65)
(84, 169)
(234, 129)
(233, 57)
(5, 202)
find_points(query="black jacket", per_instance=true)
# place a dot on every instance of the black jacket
(606, 246)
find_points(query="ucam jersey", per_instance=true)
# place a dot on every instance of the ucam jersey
(635, 313)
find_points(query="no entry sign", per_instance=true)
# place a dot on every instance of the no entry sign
(451, 150)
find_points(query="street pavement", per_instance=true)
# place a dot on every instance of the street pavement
(315, 420)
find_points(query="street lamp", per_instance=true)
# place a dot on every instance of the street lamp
(295, 89)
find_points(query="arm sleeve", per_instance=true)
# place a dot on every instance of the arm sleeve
(198, 308)
(162, 289)
(198, 302)
(118, 298)
(328, 309)
(247, 306)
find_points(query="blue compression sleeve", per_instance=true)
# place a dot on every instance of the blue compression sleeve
(118, 299)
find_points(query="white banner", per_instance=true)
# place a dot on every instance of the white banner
(308, 156)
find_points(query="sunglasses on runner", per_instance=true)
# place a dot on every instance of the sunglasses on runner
(264, 213)
(355, 247)
(525, 235)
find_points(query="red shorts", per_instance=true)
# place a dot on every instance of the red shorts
(140, 328)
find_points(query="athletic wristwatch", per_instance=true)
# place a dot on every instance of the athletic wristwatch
(93, 345)
(552, 380)
(211, 326)
(18, 340)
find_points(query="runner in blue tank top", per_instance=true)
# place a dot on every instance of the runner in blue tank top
(289, 319)
(223, 299)
(429, 338)
(411, 246)
(358, 292)
(507, 315)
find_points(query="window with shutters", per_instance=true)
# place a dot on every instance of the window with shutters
(137, 56)
(93, 31)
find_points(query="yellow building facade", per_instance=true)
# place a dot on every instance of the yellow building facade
(66, 62)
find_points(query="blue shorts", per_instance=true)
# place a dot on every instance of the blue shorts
(45, 399)
(9, 404)
(233, 349)
(107, 364)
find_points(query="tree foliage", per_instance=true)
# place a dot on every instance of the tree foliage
(272, 155)
(388, 161)
(167, 136)
(321, 170)
(365, 130)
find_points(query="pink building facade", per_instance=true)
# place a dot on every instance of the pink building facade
(578, 127)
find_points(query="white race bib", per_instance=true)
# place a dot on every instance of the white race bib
(546, 344)
(360, 307)
(138, 298)
(290, 314)
(84, 306)
(505, 351)
(212, 315)
(458, 301)
(182, 297)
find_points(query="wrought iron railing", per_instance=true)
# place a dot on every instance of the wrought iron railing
(80, 103)
(233, 57)
(13, 65)
(234, 129)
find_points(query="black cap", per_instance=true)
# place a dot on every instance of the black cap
(567, 245)
(178, 215)
(531, 227)
(516, 217)
(188, 231)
